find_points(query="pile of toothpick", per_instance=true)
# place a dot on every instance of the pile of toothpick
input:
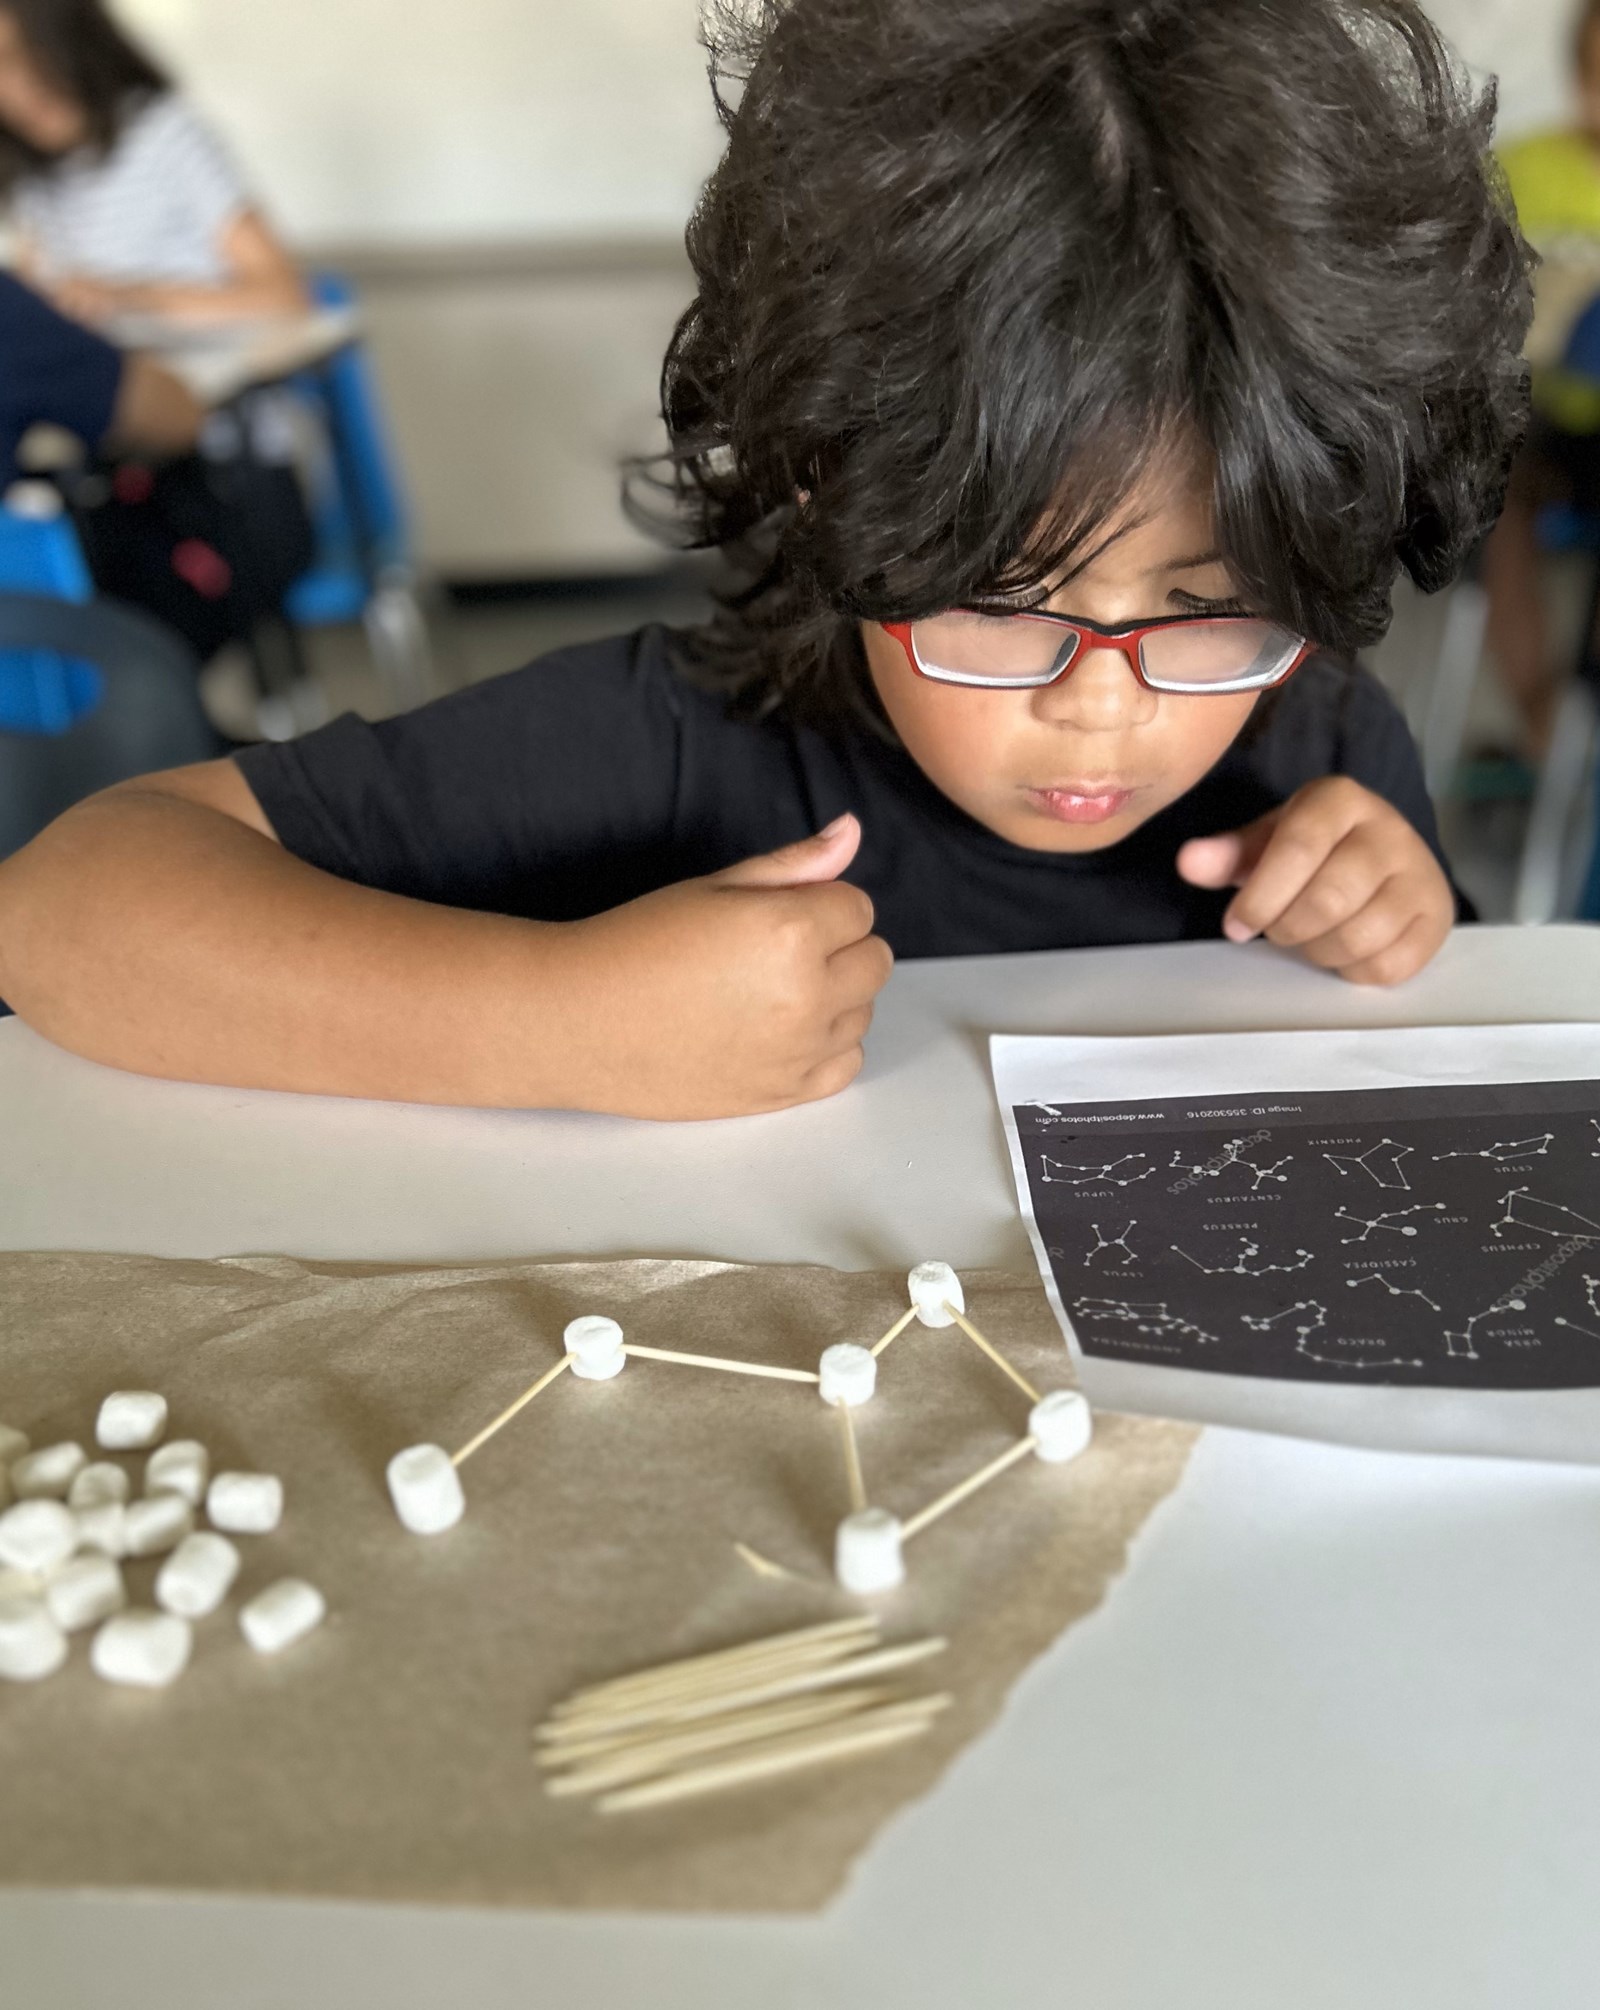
(780, 1705)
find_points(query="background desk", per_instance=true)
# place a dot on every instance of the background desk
(219, 362)
(1331, 1743)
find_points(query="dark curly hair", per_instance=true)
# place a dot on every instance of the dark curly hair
(969, 267)
(83, 52)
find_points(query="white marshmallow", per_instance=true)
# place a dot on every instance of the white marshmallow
(158, 1522)
(847, 1374)
(178, 1468)
(245, 1503)
(280, 1615)
(94, 1486)
(426, 1489)
(47, 1473)
(595, 1344)
(13, 1443)
(866, 1551)
(198, 1575)
(85, 1590)
(37, 1535)
(131, 1419)
(934, 1287)
(20, 1583)
(31, 1644)
(1060, 1426)
(145, 1649)
(104, 1527)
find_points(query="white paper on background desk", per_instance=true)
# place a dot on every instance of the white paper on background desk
(1386, 1237)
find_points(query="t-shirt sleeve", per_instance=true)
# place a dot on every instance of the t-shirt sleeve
(550, 792)
(52, 371)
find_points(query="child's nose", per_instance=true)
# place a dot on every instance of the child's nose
(1099, 695)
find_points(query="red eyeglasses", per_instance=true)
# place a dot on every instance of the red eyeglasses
(1183, 653)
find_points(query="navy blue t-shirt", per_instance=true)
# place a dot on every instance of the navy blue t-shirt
(598, 774)
(52, 372)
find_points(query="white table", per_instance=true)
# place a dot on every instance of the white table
(1331, 1742)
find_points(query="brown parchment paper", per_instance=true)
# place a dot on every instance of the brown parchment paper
(387, 1756)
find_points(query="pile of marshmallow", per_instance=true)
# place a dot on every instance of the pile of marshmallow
(68, 1523)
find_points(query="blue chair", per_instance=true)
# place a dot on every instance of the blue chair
(364, 569)
(147, 713)
(41, 690)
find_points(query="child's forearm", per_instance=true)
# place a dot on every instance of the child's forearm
(158, 934)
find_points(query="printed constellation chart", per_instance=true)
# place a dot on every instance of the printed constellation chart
(1443, 1236)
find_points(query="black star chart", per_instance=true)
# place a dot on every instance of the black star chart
(1445, 1237)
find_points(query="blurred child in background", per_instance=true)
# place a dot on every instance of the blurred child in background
(124, 200)
(130, 212)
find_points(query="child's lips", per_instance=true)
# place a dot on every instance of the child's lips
(1082, 802)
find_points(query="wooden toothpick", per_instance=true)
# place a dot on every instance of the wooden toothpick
(586, 1719)
(958, 1494)
(993, 1353)
(691, 1666)
(852, 1460)
(511, 1409)
(728, 1367)
(769, 1689)
(896, 1329)
(855, 1738)
(613, 1765)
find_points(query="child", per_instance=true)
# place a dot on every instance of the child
(124, 200)
(1062, 372)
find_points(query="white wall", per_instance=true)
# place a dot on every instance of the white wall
(399, 121)
(396, 123)
(1525, 44)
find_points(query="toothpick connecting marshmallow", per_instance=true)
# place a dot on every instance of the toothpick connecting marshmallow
(934, 1289)
(130, 1420)
(866, 1552)
(595, 1344)
(146, 1650)
(1060, 1426)
(426, 1489)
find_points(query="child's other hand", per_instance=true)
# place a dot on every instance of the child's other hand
(748, 990)
(1335, 872)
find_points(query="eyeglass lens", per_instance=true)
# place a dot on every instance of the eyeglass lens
(1015, 649)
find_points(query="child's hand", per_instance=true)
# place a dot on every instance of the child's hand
(749, 990)
(1335, 872)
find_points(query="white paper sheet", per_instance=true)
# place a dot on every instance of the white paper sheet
(1378, 1237)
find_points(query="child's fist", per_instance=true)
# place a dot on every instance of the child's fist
(748, 990)
(1335, 872)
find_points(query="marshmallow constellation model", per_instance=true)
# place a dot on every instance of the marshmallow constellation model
(425, 1483)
